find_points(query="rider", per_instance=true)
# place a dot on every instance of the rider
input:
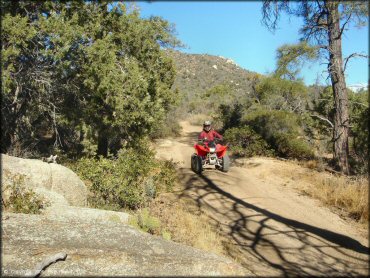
(208, 133)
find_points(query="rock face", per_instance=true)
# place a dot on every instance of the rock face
(97, 242)
(56, 182)
(104, 247)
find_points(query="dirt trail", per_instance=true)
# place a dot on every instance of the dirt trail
(272, 228)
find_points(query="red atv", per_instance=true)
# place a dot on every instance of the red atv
(209, 153)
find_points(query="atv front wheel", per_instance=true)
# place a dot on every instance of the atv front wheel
(225, 163)
(196, 164)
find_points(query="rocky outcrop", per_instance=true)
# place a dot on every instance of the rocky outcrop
(96, 242)
(104, 247)
(57, 183)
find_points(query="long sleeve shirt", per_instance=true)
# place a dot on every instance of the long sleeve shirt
(210, 135)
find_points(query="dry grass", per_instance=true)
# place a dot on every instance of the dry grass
(185, 226)
(198, 119)
(346, 194)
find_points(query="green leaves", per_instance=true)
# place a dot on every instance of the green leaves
(130, 180)
(291, 57)
(67, 65)
(280, 94)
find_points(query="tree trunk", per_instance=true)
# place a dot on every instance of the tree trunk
(341, 117)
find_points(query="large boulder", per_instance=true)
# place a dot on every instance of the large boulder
(56, 182)
(101, 248)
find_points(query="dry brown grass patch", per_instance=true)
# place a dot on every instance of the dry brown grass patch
(185, 226)
(347, 194)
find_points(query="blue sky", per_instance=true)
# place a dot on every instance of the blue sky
(234, 30)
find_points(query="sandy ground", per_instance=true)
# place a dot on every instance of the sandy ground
(272, 229)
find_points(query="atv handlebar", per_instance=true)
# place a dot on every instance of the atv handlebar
(205, 140)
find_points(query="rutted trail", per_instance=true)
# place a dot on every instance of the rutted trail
(272, 228)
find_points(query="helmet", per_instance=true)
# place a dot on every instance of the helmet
(207, 125)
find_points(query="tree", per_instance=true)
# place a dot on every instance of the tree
(324, 24)
(82, 69)
(291, 57)
(279, 94)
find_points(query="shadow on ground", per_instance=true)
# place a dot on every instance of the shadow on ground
(258, 237)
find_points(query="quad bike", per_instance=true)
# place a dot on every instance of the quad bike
(209, 153)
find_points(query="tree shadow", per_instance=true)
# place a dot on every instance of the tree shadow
(259, 235)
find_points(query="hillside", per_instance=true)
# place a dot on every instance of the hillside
(197, 73)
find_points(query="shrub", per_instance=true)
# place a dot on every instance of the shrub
(145, 222)
(282, 131)
(169, 127)
(293, 147)
(245, 142)
(129, 181)
(20, 199)
(230, 115)
(166, 178)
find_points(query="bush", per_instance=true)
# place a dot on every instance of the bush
(245, 142)
(282, 131)
(167, 176)
(360, 137)
(20, 199)
(129, 181)
(169, 127)
(293, 147)
(230, 115)
(145, 222)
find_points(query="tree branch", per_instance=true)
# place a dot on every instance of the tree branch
(344, 24)
(359, 103)
(353, 55)
(324, 119)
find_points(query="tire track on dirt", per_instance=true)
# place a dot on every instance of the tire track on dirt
(270, 228)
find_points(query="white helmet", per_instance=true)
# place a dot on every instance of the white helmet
(207, 125)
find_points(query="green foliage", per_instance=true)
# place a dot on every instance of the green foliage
(230, 115)
(69, 67)
(282, 132)
(166, 178)
(166, 235)
(291, 58)
(290, 146)
(245, 142)
(130, 180)
(21, 199)
(145, 222)
(329, 43)
(280, 94)
(359, 117)
(169, 127)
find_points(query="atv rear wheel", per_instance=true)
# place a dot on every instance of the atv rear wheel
(225, 163)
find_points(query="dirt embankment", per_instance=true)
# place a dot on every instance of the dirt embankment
(268, 225)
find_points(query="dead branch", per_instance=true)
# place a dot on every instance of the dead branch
(344, 24)
(333, 171)
(353, 55)
(324, 119)
(359, 103)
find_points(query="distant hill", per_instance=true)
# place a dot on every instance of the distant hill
(197, 73)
